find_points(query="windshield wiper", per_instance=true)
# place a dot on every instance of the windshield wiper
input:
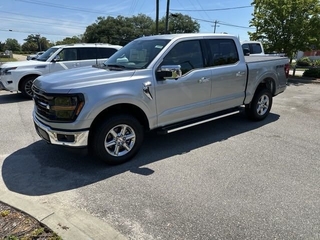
(116, 66)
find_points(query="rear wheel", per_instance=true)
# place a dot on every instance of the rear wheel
(260, 105)
(117, 140)
(26, 86)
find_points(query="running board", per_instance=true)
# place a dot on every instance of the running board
(197, 121)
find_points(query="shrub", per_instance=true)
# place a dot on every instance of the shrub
(313, 72)
(316, 62)
(305, 61)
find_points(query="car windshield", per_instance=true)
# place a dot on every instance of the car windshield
(137, 54)
(44, 57)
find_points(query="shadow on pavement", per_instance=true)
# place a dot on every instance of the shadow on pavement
(41, 169)
(12, 97)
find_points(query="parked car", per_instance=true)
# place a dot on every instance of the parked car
(34, 56)
(19, 76)
(162, 82)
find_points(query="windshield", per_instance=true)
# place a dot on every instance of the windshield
(137, 54)
(44, 57)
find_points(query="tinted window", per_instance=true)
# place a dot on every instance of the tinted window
(68, 54)
(255, 48)
(106, 52)
(187, 54)
(87, 53)
(224, 51)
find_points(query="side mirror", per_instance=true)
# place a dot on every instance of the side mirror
(246, 52)
(169, 71)
(56, 59)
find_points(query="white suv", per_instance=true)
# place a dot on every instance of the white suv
(19, 76)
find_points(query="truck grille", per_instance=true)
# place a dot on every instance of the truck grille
(42, 103)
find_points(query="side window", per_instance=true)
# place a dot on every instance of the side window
(68, 54)
(106, 52)
(87, 53)
(187, 54)
(223, 51)
(255, 48)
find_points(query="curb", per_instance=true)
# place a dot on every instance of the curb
(306, 81)
(68, 224)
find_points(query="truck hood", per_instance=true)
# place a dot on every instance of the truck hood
(64, 81)
(24, 64)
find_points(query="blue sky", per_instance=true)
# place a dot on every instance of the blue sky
(57, 19)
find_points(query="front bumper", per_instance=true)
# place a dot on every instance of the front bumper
(61, 137)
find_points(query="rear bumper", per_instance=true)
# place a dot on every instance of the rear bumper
(61, 137)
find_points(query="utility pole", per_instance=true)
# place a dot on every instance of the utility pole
(157, 17)
(215, 26)
(167, 16)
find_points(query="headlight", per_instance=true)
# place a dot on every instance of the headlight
(64, 108)
(6, 71)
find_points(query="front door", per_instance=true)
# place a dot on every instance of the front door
(189, 95)
(66, 59)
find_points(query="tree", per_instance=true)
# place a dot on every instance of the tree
(179, 23)
(121, 30)
(286, 25)
(68, 40)
(12, 44)
(35, 43)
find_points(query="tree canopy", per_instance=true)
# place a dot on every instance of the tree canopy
(121, 30)
(286, 25)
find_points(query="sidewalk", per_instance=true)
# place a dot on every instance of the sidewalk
(68, 223)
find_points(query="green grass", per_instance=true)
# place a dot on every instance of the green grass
(7, 60)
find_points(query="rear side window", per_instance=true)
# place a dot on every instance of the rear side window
(87, 53)
(106, 52)
(223, 51)
(254, 48)
(95, 53)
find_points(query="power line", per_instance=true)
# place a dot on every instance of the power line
(64, 7)
(203, 10)
(42, 20)
(222, 23)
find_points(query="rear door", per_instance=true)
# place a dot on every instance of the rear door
(228, 74)
(95, 55)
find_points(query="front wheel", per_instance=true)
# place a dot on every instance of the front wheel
(260, 105)
(117, 139)
(26, 86)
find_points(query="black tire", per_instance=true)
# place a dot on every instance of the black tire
(121, 149)
(25, 87)
(260, 105)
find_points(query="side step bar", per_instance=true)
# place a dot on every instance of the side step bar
(197, 121)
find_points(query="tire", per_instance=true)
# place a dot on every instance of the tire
(124, 136)
(260, 105)
(26, 85)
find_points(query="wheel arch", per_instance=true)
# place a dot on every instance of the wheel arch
(25, 77)
(267, 83)
(123, 108)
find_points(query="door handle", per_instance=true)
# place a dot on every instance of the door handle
(240, 74)
(203, 80)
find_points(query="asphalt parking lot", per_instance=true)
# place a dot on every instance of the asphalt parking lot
(228, 179)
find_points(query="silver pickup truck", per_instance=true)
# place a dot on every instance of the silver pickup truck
(163, 82)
